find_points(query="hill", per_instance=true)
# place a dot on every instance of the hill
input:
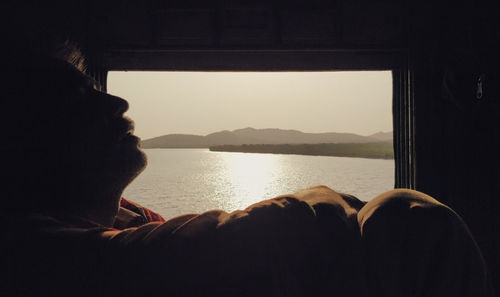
(258, 136)
(382, 136)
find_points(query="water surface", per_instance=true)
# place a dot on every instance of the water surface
(179, 181)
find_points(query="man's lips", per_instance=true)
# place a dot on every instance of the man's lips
(129, 137)
(126, 129)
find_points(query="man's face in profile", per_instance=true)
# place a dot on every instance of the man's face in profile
(88, 132)
(103, 136)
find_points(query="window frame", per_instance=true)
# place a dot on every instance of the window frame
(395, 60)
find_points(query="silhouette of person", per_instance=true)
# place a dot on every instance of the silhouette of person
(69, 153)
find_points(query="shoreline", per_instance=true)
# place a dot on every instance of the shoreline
(375, 150)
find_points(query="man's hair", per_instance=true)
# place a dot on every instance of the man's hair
(34, 91)
(69, 52)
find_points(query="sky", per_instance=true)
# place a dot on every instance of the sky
(205, 102)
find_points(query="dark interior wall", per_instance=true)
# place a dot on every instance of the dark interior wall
(245, 23)
(128, 31)
(456, 144)
(456, 129)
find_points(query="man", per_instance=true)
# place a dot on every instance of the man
(69, 153)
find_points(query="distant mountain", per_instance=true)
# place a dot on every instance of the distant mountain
(259, 136)
(382, 136)
(175, 141)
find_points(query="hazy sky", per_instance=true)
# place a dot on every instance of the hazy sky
(205, 102)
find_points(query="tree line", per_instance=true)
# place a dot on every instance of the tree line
(372, 150)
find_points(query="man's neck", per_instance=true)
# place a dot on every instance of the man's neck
(102, 209)
(101, 217)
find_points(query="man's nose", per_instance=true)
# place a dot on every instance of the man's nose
(116, 106)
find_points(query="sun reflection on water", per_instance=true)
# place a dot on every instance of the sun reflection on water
(247, 178)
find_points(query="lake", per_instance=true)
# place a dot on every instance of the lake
(179, 181)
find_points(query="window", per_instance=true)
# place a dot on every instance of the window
(255, 108)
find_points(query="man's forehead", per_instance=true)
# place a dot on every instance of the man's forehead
(77, 76)
(87, 80)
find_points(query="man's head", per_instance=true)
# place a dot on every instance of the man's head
(67, 146)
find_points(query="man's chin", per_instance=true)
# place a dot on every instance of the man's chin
(126, 163)
(142, 161)
(135, 161)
